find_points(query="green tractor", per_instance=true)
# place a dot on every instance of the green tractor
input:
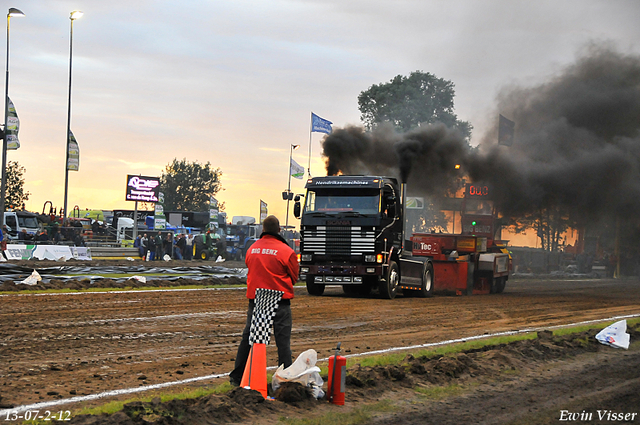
(206, 246)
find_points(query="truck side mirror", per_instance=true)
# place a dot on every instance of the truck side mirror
(390, 202)
(297, 209)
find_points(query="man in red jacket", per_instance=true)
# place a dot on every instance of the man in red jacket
(272, 265)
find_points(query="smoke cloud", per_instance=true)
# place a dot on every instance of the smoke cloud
(576, 145)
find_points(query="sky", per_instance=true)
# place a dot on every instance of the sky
(234, 83)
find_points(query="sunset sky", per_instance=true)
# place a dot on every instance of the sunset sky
(234, 83)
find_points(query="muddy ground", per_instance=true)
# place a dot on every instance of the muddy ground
(55, 347)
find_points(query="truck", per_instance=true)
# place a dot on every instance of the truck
(16, 221)
(353, 234)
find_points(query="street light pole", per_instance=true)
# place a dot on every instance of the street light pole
(293, 147)
(3, 190)
(74, 15)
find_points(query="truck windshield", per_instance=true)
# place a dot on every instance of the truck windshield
(28, 222)
(348, 200)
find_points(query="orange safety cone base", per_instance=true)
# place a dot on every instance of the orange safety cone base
(255, 371)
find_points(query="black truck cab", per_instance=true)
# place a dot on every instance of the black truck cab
(351, 226)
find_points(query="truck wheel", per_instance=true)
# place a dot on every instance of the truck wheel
(314, 288)
(500, 285)
(204, 254)
(389, 286)
(426, 289)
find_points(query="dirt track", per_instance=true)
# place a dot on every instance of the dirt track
(60, 346)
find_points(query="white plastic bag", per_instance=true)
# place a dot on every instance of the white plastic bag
(33, 279)
(303, 371)
(141, 279)
(615, 335)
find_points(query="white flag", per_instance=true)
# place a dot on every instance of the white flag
(296, 170)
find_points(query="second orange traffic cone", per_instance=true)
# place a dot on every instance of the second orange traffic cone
(255, 371)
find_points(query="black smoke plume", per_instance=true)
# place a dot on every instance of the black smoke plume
(576, 145)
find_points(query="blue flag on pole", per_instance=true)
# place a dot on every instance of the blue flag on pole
(320, 125)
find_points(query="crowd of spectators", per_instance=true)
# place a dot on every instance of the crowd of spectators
(156, 247)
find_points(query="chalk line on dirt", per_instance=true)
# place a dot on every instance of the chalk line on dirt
(124, 391)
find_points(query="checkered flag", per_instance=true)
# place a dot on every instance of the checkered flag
(263, 313)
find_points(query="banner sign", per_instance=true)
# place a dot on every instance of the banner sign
(142, 188)
(74, 153)
(415, 203)
(13, 125)
(47, 252)
(213, 213)
(159, 219)
(263, 211)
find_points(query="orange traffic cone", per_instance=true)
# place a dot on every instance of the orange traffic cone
(255, 371)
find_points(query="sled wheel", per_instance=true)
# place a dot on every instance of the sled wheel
(426, 289)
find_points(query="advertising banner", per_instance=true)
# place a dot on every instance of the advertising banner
(13, 126)
(47, 252)
(142, 188)
(74, 153)
(415, 203)
(263, 211)
(213, 213)
(159, 218)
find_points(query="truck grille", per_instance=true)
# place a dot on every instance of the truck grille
(345, 240)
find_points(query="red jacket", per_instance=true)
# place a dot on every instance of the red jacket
(272, 265)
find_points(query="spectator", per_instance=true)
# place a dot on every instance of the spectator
(78, 238)
(181, 244)
(3, 241)
(138, 244)
(151, 248)
(144, 243)
(24, 236)
(188, 247)
(159, 246)
(43, 237)
(167, 244)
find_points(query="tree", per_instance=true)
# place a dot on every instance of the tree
(15, 196)
(410, 102)
(549, 223)
(188, 186)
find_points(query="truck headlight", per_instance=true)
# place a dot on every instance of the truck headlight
(306, 257)
(304, 269)
(371, 258)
